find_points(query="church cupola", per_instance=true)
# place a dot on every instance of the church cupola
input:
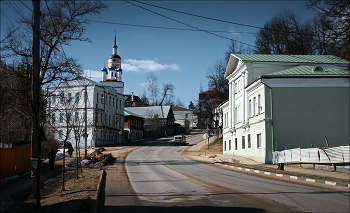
(104, 73)
(115, 58)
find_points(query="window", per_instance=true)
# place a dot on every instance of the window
(254, 103)
(76, 134)
(236, 144)
(60, 134)
(249, 143)
(110, 101)
(120, 103)
(259, 102)
(68, 134)
(106, 119)
(250, 108)
(116, 103)
(243, 142)
(84, 117)
(54, 98)
(61, 98)
(53, 118)
(225, 146)
(239, 114)
(97, 98)
(69, 97)
(101, 117)
(113, 102)
(225, 120)
(76, 116)
(85, 96)
(186, 116)
(69, 117)
(102, 99)
(61, 117)
(235, 113)
(77, 97)
(109, 118)
(258, 140)
(229, 145)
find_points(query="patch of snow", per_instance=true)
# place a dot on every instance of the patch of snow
(85, 163)
(230, 160)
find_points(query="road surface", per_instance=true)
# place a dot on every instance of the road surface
(161, 179)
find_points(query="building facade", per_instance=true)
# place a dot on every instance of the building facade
(98, 106)
(184, 117)
(284, 101)
(133, 124)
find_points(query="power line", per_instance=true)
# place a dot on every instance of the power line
(189, 25)
(13, 8)
(7, 17)
(9, 34)
(26, 6)
(219, 20)
(168, 28)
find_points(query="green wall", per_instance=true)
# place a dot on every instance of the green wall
(302, 116)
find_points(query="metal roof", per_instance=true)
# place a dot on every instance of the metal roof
(308, 70)
(319, 59)
(128, 113)
(148, 112)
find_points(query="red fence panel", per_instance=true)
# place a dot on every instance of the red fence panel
(15, 161)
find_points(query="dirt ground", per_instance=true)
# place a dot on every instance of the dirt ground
(79, 194)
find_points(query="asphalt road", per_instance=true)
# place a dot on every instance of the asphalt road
(162, 180)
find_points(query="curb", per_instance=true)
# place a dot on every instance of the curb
(288, 176)
(99, 186)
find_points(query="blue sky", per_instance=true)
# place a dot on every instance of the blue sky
(175, 56)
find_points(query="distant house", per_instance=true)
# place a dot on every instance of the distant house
(158, 120)
(284, 101)
(134, 101)
(183, 117)
(133, 124)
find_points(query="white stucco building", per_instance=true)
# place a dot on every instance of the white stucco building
(103, 105)
(284, 101)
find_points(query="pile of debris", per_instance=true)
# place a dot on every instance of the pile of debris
(98, 158)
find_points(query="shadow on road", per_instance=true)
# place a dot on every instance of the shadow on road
(177, 209)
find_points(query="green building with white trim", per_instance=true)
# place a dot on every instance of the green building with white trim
(279, 102)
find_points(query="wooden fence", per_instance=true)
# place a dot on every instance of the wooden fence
(15, 161)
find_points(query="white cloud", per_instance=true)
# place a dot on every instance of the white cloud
(93, 75)
(146, 65)
(142, 84)
(234, 32)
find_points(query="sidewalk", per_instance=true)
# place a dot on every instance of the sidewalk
(326, 172)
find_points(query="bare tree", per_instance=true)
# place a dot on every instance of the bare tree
(335, 15)
(167, 91)
(144, 98)
(61, 23)
(285, 34)
(153, 88)
(158, 97)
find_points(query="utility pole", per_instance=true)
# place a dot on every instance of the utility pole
(85, 113)
(36, 144)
